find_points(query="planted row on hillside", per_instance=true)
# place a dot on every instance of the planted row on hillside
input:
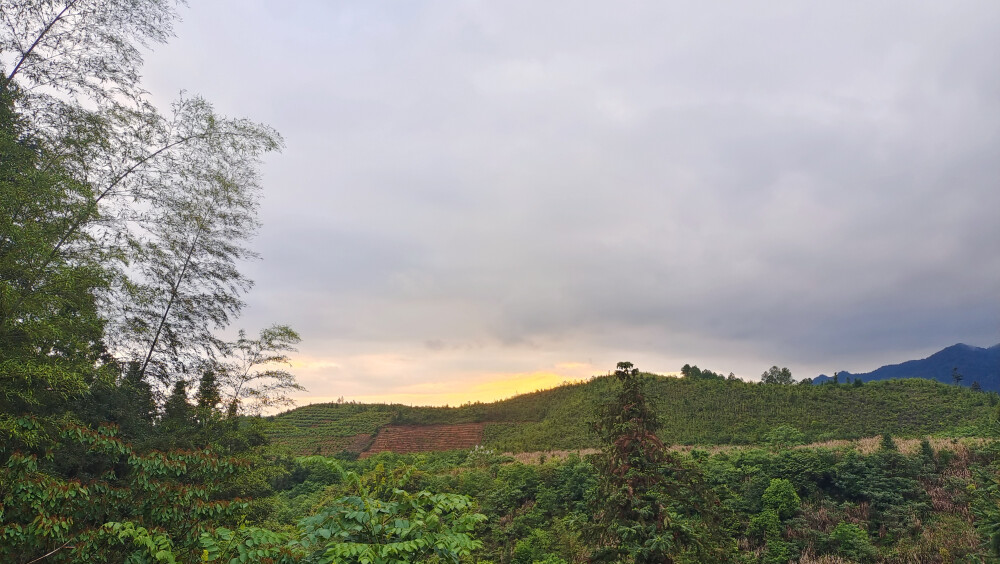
(692, 411)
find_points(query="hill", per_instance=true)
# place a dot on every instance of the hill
(975, 364)
(693, 412)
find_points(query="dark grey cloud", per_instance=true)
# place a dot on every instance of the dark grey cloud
(517, 184)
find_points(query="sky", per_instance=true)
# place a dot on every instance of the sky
(478, 199)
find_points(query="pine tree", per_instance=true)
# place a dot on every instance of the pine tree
(178, 414)
(887, 444)
(208, 396)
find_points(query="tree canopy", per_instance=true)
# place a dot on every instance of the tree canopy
(775, 375)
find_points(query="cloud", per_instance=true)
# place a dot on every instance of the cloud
(496, 188)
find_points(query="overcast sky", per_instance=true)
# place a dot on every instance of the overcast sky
(483, 198)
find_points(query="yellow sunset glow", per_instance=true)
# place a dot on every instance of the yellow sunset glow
(499, 386)
(395, 380)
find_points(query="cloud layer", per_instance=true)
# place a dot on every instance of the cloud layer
(473, 190)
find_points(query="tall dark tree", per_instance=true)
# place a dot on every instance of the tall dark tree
(648, 506)
(178, 413)
(208, 396)
(124, 399)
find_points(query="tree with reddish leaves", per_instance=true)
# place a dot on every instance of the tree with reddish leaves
(649, 506)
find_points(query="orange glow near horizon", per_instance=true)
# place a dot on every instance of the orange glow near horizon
(501, 386)
(320, 375)
(410, 377)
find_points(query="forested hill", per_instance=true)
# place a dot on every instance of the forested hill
(972, 365)
(692, 411)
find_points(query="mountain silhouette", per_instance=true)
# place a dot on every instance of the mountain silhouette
(974, 364)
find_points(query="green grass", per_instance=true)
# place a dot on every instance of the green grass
(692, 412)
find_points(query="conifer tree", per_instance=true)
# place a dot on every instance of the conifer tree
(208, 396)
(177, 412)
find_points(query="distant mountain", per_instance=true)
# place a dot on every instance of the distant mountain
(975, 364)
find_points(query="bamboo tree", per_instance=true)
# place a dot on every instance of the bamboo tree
(173, 197)
(250, 373)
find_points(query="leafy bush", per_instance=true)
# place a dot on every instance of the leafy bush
(406, 528)
(852, 542)
(174, 495)
(781, 498)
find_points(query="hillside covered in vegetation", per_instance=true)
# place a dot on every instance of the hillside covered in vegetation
(693, 411)
(879, 499)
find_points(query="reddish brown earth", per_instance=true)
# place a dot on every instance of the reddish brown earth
(426, 438)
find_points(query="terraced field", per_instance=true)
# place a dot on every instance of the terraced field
(333, 429)
(702, 412)
(405, 439)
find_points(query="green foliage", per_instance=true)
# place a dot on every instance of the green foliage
(888, 482)
(886, 443)
(690, 411)
(696, 373)
(249, 544)
(986, 501)
(852, 542)
(781, 498)
(178, 413)
(648, 506)
(534, 548)
(119, 235)
(125, 400)
(765, 524)
(173, 495)
(208, 397)
(766, 527)
(50, 331)
(928, 456)
(405, 528)
(328, 428)
(784, 436)
(151, 546)
(545, 511)
(107, 195)
(775, 375)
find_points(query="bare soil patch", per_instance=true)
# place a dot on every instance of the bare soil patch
(405, 439)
